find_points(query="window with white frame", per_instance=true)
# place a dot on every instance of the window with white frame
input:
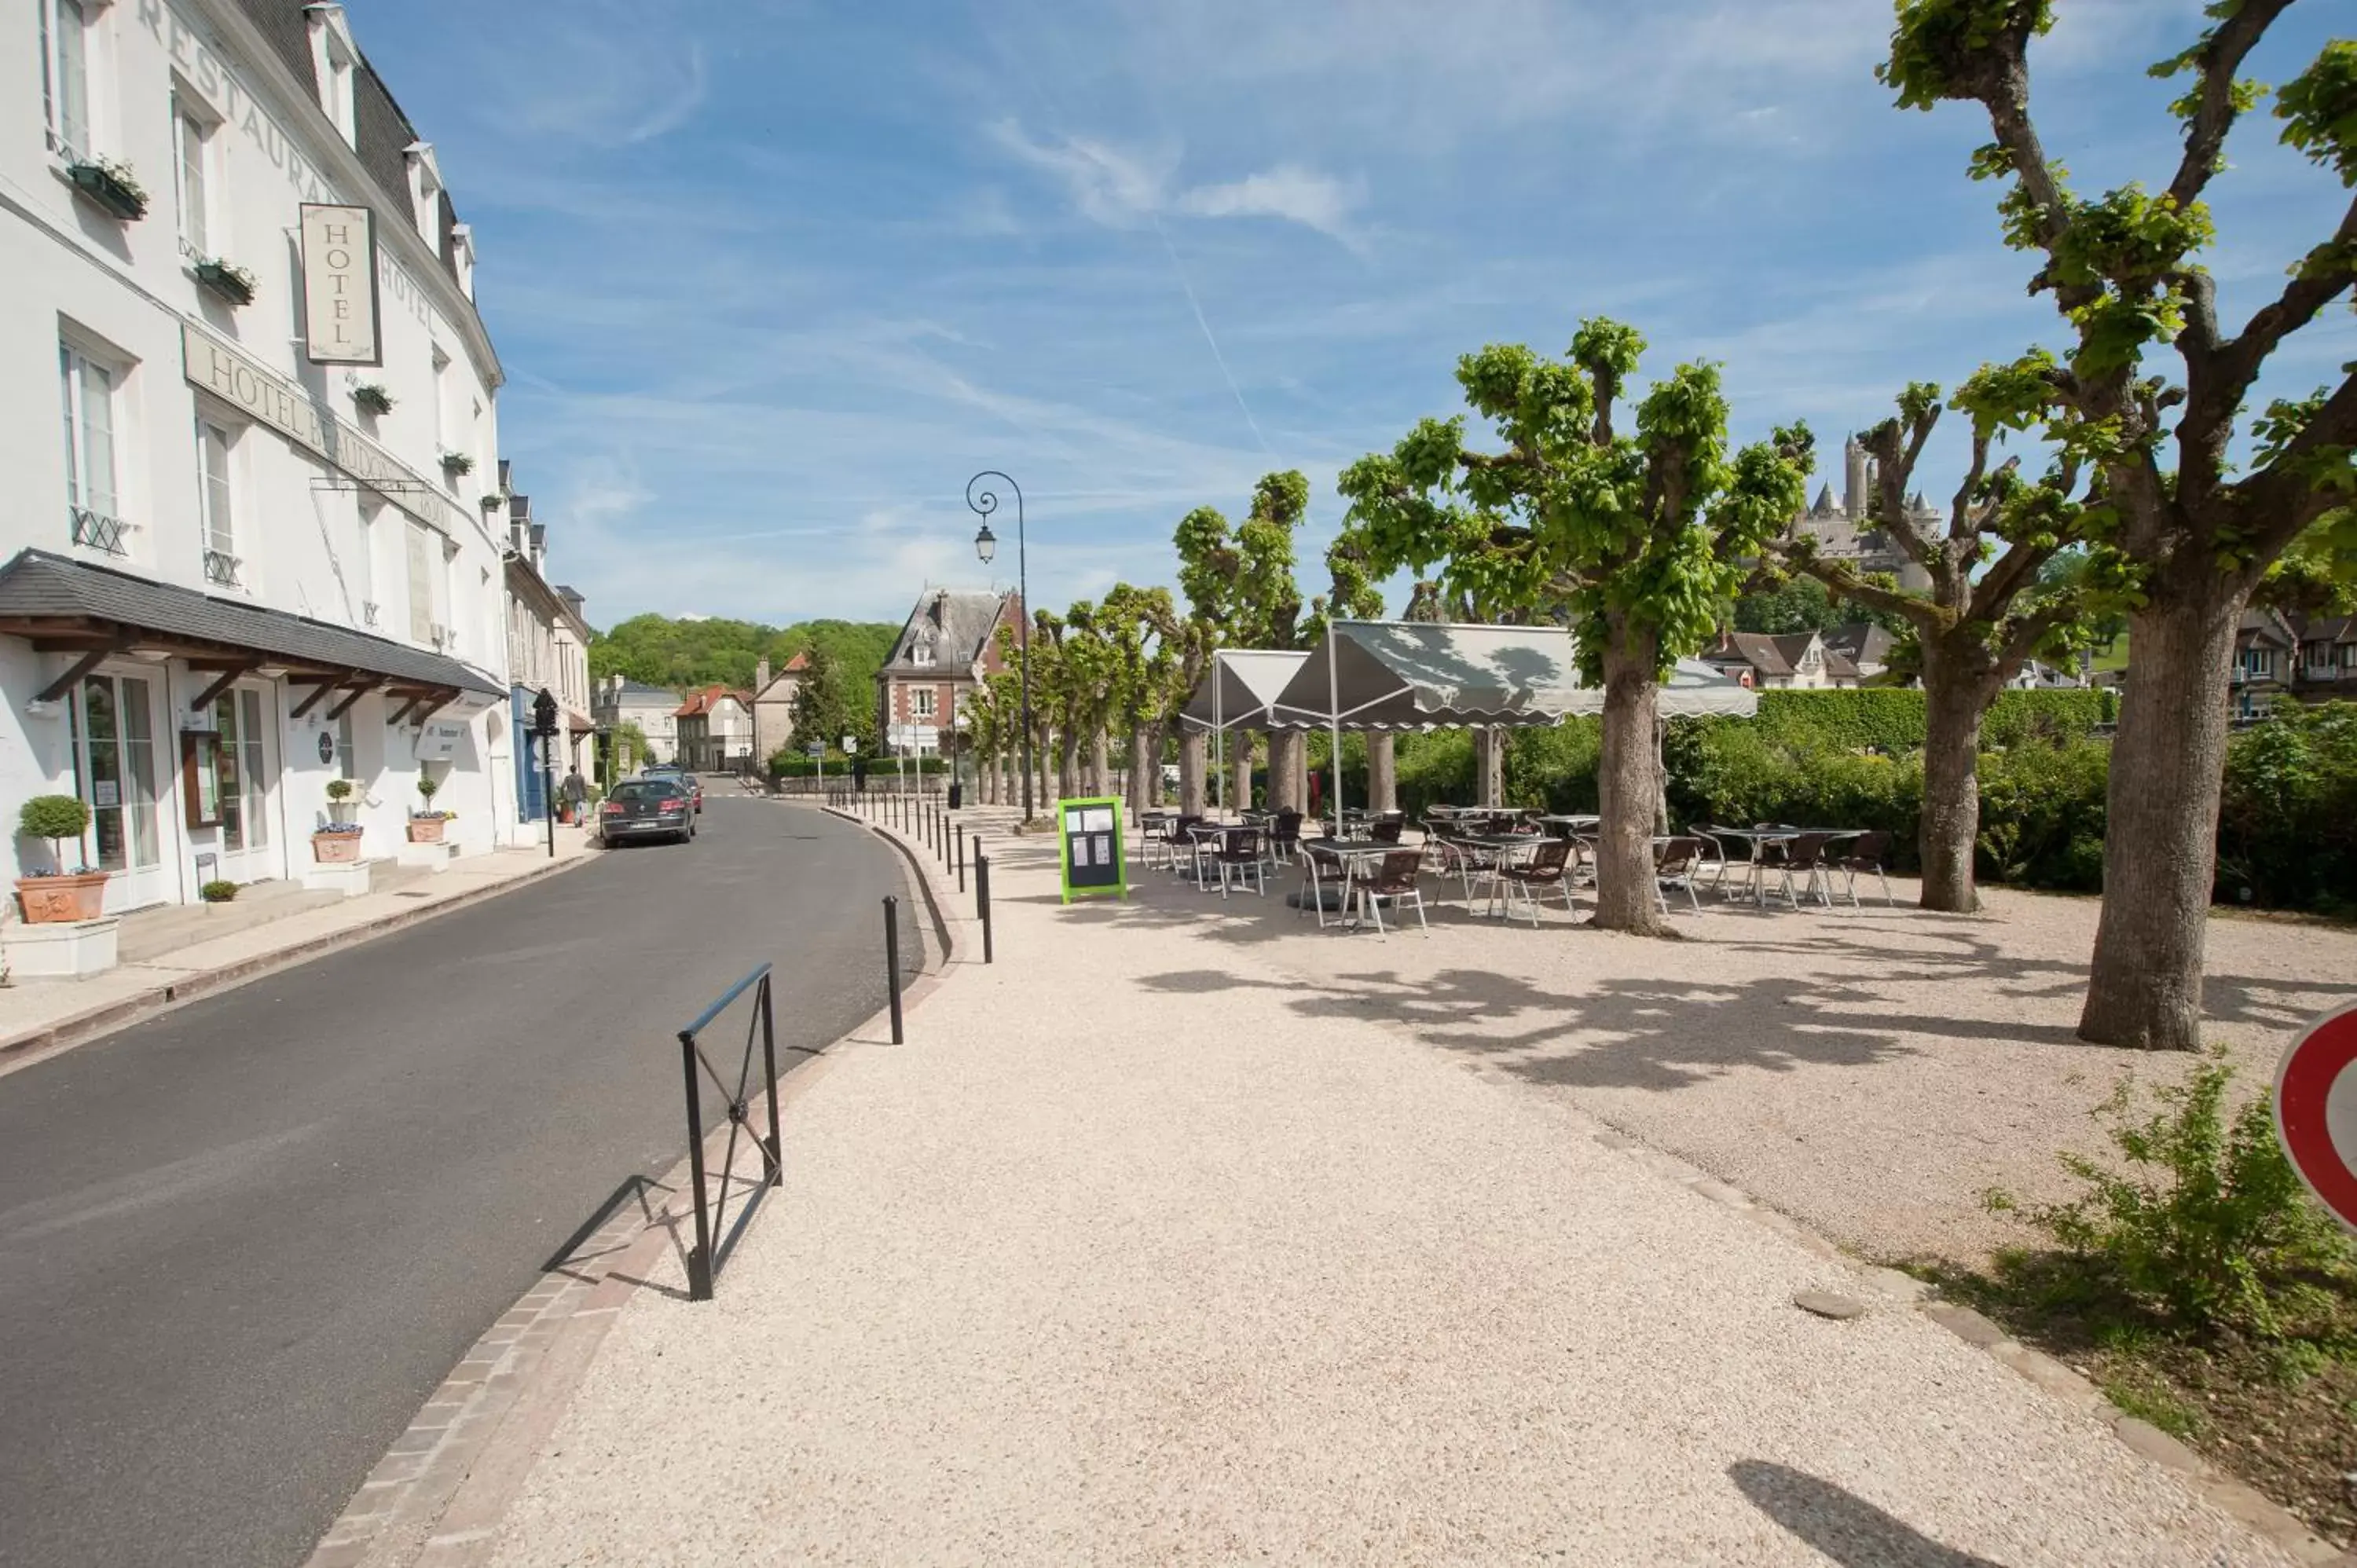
(191, 175)
(426, 191)
(65, 75)
(2259, 663)
(442, 437)
(334, 60)
(419, 545)
(924, 700)
(86, 388)
(217, 501)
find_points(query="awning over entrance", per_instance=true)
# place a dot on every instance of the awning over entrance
(1239, 687)
(64, 605)
(1693, 690)
(1415, 675)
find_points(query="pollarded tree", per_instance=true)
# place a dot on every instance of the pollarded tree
(2191, 526)
(1642, 537)
(1208, 568)
(1982, 614)
(1140, 625)
(1268, 608)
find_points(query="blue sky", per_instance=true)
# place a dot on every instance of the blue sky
(771, 280)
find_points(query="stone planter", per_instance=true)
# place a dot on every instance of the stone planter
(343, 812)
(56, 900)
(426, 830)
(336, 849)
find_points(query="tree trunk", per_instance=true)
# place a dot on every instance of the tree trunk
(1288, 754)
(1046, 757)
(1382, 771)
(1488, 767)
(1099, 764)
(1954, 698)
(1194, 768)
(1068, 764)
(1141, 774)
(2160, 835)
(1628, 785)
(1240, 793)
(1155, 739)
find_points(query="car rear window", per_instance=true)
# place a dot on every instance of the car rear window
(644, 789)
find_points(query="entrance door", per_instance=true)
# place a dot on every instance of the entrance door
(248, 768)
(114, 772)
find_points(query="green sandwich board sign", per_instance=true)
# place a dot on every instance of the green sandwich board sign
(1088, 839)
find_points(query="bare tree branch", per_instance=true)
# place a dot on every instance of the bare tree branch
(2218, 58)
(1926, 616)
(2023, 635)
(1892, 469)
(1965, 518)
(2006, 578)
(2284, 497)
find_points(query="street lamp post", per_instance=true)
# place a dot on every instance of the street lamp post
(986, 545)
(543, 725)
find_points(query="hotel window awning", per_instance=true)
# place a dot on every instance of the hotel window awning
(64, 606)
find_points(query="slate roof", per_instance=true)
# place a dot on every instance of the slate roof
(37, 585)
(1862, 642)
(955, 624)
(1778, 656)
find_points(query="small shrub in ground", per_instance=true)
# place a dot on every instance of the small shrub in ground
(2042, 810)
(218, 892)
(2204, 1225)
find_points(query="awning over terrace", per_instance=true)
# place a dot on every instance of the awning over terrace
(1416, 675)
(1237, 691)
(1693, 690)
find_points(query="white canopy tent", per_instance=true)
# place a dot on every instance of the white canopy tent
(1417, 675)
(1237, 692)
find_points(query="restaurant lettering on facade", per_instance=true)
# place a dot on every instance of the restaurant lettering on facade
(239, 381)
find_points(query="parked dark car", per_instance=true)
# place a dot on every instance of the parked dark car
(647, 808)
(681, 777)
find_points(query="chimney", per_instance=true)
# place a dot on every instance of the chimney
(760, 676)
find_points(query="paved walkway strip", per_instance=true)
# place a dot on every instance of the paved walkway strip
(1121, 1259)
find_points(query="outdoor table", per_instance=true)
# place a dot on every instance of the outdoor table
(1201, 834)
(1352, 855)
(1499, 848)
(1760, 838)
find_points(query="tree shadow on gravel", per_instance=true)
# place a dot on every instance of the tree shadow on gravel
(1643, 1034)
(1845, 1527)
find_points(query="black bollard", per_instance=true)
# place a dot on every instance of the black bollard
(982, 898)
(892, 957)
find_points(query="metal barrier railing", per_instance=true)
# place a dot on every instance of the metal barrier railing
(712, 1210)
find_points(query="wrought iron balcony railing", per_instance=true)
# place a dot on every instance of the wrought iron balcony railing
(220, 567)
(96, 530)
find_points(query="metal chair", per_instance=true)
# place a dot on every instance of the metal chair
(1394, 883)
(1548, 866)
(1714, 854)
(1674, 863)
(1284, 834)
(1316, 871)
(1240, 855)
(1868, 852)
(1806, 854)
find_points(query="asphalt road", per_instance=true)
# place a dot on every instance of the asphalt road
(242, 1242)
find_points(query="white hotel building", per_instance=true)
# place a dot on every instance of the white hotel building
(229, 575)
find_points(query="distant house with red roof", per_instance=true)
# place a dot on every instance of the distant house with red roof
(715, 729)
(773, 704)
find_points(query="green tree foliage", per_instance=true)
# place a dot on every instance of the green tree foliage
(831, 703)
(681, 654)
(1796, 604)
(1637, 537)
(2151, 400)
(2317, 574)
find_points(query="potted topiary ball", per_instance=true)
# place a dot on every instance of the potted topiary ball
(58, 896)
(338, 843)
(426, 826)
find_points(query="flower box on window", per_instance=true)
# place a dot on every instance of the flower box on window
(111, 187)
(372, 397)
(227, 279)
(456, 463)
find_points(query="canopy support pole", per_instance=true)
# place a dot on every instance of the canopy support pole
(1334, 721)
(1219, 737)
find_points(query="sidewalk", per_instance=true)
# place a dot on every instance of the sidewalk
(178, 955)
(1122, 1258)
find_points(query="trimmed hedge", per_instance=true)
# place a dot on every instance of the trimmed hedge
(1892, 719)
(797, 765)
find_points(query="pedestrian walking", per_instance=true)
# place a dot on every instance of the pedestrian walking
(577, 794)
(859, 774)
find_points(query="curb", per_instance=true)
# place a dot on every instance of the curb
(437, 1497)
(80, 1028)
(2221, 1491)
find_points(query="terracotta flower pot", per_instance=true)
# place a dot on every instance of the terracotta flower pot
(59, 900)
(425, 830)
(336, 849)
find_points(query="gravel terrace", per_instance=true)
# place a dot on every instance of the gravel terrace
(1163, 1241)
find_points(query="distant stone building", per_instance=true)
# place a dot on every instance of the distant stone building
(773, 705)
(948, 644)
(617, 702)
(1847, 531)
(716, 730)
(1798, 660)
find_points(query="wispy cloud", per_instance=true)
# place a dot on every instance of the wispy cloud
(1305, 197)
(1122, 188)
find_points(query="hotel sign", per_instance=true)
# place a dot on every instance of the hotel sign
(239, 381)
(340, 323)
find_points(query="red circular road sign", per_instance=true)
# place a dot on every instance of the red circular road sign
(2316, 1110)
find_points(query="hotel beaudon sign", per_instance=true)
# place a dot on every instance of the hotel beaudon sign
(237, 381)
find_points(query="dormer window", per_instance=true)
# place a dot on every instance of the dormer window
(922, 653)
(462, 258)
(335, 60)
(426, 191)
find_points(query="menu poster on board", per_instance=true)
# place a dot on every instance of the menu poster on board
(1088, 834)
